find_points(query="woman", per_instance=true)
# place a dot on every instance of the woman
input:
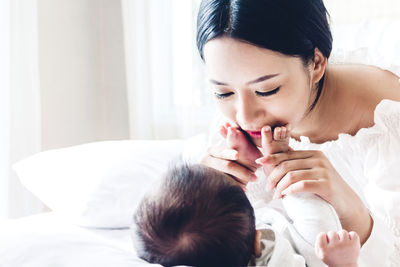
(268, 63)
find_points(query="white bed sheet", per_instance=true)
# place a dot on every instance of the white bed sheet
(44, 240)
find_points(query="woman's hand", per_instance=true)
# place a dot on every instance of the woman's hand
(225, 159)
(308, 171)
(311, 171)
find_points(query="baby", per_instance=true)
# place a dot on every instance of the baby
(277, 140)
(199, 216)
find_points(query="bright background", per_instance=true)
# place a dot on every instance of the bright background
(79, 71)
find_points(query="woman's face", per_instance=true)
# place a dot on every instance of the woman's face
(255, 87)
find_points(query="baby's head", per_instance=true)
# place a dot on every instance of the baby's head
(197, 216)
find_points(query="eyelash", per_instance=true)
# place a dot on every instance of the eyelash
(221, 96)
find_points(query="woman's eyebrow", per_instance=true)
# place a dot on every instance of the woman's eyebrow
(258, 80)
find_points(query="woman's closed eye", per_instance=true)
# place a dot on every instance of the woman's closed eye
(221, 96)
(268, 93)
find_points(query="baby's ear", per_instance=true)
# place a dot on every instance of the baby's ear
(257, 244)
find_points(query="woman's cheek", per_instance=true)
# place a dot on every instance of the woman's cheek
(226, 109)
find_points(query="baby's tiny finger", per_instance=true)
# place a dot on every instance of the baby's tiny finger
(343, 235)
(353, 235)
(321, 240)
(333, 236)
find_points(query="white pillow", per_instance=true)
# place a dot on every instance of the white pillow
(100, 184)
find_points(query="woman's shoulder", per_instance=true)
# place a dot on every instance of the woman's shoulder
(373, 83)
(365, 87)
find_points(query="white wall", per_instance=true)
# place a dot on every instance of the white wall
(82, 72)
(353, 11)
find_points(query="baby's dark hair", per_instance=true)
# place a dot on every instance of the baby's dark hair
(198, 216)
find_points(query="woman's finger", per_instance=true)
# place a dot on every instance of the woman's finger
(285, 167)
(240, 173)
(278, 158)
(223, 153)
(293, 177)
(303, 186)
(223, 131)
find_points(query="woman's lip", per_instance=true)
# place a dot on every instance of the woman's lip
(255, 134)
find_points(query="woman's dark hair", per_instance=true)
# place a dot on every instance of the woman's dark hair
(291, 27)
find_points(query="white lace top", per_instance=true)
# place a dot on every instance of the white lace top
(370, 163)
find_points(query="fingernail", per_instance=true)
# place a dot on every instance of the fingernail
(254, 177)
(284, 192)
(262, 160)
(236, 155)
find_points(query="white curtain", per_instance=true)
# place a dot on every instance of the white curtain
(167, 91)
(20, 102)
(4, 104)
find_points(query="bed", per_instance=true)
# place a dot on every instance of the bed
(92, 190)
(47, 240)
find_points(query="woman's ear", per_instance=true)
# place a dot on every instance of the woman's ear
(318, 66)
(257, 244)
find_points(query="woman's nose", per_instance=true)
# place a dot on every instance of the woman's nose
(246, 112)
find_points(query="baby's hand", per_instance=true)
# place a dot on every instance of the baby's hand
(338, 248)
(247, 152)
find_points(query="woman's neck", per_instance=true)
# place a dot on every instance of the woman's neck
(332, 114)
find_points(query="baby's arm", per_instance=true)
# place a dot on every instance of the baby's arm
(338, 249)
(309, 215)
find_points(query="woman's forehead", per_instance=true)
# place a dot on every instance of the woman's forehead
(230, 48)
(228, 59)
